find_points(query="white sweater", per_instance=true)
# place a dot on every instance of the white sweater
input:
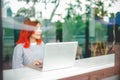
(24, 56)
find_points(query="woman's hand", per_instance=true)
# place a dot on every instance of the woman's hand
(38, 63)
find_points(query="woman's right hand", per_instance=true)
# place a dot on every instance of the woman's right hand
(38, 63)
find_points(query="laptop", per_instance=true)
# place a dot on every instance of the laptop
(59, 55)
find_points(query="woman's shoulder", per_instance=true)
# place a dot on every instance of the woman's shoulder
(18, 49)
(19, 46)
(42, 44)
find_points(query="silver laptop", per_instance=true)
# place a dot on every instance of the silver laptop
(59, 55)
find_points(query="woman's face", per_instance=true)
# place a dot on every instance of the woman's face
(37, 33)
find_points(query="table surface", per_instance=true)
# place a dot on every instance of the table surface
(81, 66)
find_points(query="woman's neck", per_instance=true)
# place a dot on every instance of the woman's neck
(32, 40)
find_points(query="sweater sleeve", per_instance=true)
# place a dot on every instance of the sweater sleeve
(17, 60)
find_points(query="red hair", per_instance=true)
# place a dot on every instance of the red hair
(24, 36)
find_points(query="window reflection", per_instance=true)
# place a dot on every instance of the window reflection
(62, 21)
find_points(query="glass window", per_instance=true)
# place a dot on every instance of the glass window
(90, 22)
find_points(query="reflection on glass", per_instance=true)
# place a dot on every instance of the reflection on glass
(62, 20)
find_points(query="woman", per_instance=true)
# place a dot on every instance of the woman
(30, 47)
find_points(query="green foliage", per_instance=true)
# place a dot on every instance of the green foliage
(58, 25)
(100, 31)
(26, 12)
(73, 27)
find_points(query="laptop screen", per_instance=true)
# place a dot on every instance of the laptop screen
(59, 55)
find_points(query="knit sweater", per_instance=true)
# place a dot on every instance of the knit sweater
(24, 56)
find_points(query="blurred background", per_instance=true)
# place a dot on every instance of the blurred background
(90, 22)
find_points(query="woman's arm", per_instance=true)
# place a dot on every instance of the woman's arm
(17, 61)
